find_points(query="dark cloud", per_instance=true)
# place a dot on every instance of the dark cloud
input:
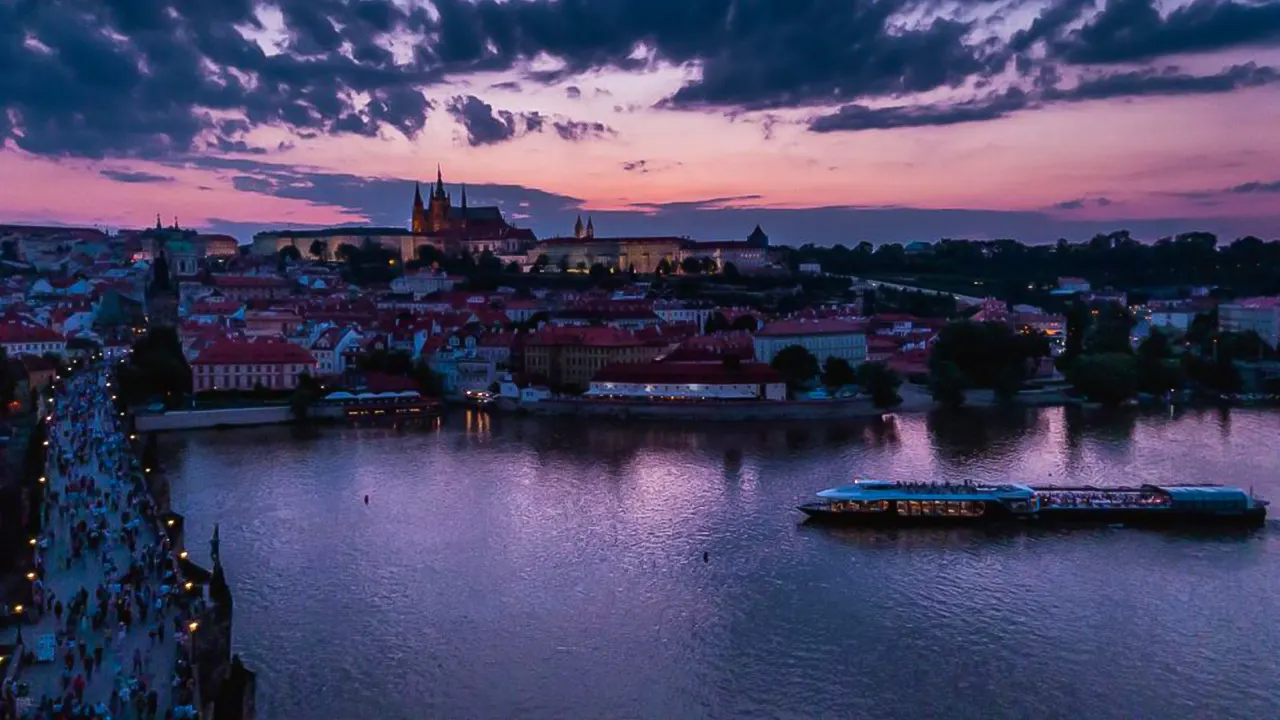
(486, 126)
(861, 117)
(1256, 187)
(1133, 84)
(130, 176)
(1133, 30)
(575, 131)
(1049, 24)
(509, 85)
(1082, 203)
(1139, 83)
(636, 166)
(96, 78)
(573, 92)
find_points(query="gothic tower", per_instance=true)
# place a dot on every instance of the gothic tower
(591, 228)
(161, 295)
(438, 207)
(418, 221)
(578, 231)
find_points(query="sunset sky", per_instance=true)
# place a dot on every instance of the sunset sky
(822, 120)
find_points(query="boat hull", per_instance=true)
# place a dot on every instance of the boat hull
(996, 514)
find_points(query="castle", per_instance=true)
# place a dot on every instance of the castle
(471, 229)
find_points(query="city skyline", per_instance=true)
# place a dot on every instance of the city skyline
(821, 122)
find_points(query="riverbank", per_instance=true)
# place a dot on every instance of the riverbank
(915, 399)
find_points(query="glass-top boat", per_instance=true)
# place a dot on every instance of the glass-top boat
(894, 502)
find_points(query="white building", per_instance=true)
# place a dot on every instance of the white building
(18, 338)
(1261, 315)
(822, 337)
(675, 311)
(685, 381)
(423, 282)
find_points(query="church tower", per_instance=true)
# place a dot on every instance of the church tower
(161, 295)
(591, 228)
(438, 207)
(578, 231)
(418, 221)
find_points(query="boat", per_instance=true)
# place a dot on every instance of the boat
(890, 502)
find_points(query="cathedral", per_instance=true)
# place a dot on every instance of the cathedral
(474, 229)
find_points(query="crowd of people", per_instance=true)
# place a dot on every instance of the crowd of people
(105, 585)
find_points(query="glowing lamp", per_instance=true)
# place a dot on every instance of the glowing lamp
(46, 443)
(193, 626)
(31, 576)
(169, 523)
(183, 555)
(133, 437)
(188, 585)
(42, 478)
(17, 609)
(32, 541)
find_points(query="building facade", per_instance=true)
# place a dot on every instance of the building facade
(1260, 315)
(234, 364)
(688, 381)
(564, 356)
(822, 337)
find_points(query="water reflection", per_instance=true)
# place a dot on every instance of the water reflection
(512, 566)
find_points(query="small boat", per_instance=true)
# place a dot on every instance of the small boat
(889, 502)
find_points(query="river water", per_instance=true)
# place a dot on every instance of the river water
(512, 567)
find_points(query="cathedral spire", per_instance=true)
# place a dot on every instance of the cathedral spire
(158, 226)
(417, 195)
(591, 228)
(577, 228)
(464, 198)
(439, 182)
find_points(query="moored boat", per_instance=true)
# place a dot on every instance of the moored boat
(887, 502)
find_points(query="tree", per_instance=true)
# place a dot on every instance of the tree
(489, 264)
(599, 272)
(716, 322)
(349, 253)
(305, 394)
(730, 271)
(8, 383)
(663, 268)
(319, 249)
(563, 264)
(709, 265)
(290, 254)
(542, 261)
(986, 352)
(796, 365)
(428, 255)
(155, 368)
(1111, 330)
(582, 266)
(691, 265)
(837, 373)
(9, 251)
(881, 383)
(513, 268)
(1107, 378)
(747, 323)
(947, 384)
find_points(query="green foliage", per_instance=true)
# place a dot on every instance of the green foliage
(513, 268)
(394, 362)
(563, 264)
(304, 396)
(745, 322)
(155, 369)
(837, 373)
(881, 383)
(319, 248)
(730, 271)
(691, 265)
(987, 353)
(947, 384)
(599, 273)
(716, 322)
(1111, 330)
(663, 268)
(1107, 378)
(796, 365)
(489, 264)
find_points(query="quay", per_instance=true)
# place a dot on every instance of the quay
(118, 622)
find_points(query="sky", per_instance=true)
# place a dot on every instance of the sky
(824, 121)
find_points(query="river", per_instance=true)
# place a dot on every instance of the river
(513, 567)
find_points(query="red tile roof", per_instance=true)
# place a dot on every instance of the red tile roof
(264, 352)
(249, 281)
(19, 332)
(806, 326)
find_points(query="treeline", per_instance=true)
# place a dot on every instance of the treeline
(1005, 268)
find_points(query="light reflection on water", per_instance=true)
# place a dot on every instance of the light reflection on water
(514, 567)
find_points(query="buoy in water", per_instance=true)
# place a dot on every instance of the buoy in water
(706, 556)
(366, 499)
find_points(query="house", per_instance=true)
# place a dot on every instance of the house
(329, 349)
(823, 337)
(252, 287)
(573, 355)
(39, 370)
(688, 381)
(424, 282)
(1261, 315)
(243, 364)
(18, 337)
